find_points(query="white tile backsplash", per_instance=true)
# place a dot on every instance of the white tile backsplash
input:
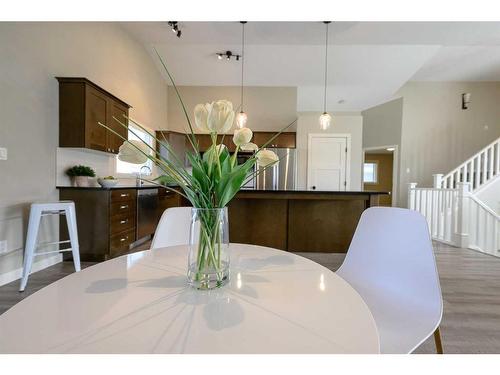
(103, 163)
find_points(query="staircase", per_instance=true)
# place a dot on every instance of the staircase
(478, 170)
(454, 212)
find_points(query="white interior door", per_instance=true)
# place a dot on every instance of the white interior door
(327, 162)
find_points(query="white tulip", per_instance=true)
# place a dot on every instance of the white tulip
(218, 151)
(242, 136)
(220, 148)
(129, 154)
(201, 116)
(266, 157)
(215, 117)
(249, 147)
(220, 117)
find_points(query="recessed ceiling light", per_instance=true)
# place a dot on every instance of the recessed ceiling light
(390, 148)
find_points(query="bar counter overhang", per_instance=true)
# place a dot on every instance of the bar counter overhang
(298, 220)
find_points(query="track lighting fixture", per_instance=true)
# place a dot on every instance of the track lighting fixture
(228, 55)
(174, 25)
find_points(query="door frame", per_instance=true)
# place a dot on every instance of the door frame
(395, 174)
(347, 136)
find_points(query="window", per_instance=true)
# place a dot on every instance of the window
(129, 168)
(370, 172)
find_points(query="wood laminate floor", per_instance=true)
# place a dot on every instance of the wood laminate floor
(470, 283)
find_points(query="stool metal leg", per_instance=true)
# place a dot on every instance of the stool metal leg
(29, 251)
(73, 235)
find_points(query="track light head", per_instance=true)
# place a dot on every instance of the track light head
(174, 26)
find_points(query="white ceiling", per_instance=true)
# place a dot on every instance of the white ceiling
(368, 61)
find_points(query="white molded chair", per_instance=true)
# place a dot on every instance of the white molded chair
(173, 228)
(391, 264)
(37, 211)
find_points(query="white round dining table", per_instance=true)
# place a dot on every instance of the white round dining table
(275, 302)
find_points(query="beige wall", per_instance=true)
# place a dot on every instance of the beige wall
(32, 54)
(382, 126)
(437, 135)
(268, 108)
(343, 123)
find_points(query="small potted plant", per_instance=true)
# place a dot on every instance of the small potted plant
(80, 174)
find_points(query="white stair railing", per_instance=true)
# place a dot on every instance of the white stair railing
(484, 228)
(457, 217)
(478, 170)
(439, 207)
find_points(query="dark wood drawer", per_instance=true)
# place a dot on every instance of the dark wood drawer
(120, 223)
(121, 208)
(167, 199)
(119, 243)
(123, 195)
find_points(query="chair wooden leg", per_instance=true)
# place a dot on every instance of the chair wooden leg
(437, 340)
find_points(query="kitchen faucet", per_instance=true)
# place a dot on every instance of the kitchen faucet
(138, 181)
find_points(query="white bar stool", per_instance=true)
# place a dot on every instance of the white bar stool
(38, 210)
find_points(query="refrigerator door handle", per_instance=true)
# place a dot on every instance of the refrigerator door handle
(275, 176)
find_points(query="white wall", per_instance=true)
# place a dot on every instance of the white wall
(32, 54)
(343, 123)
(489, 194)
(437, 135)
(268, 108)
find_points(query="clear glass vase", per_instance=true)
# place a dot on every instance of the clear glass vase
(208, 261)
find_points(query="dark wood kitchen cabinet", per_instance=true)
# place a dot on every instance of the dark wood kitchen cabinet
(106, 221)
(82, 104)
(284, 140)
(110, 221)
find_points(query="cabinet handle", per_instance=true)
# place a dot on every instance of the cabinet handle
(124, 206)
(123, 239)
(123, 221)
(124, 195)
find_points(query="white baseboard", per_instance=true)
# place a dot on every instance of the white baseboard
(16, 274)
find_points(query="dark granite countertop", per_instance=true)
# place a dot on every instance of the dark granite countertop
(298, 191)
(110, 188)
(240, 192)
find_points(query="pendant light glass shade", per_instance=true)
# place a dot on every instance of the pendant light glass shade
(324, 121)
(241, 119)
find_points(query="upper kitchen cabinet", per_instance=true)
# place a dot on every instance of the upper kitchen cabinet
(284, 140)
(82, 104)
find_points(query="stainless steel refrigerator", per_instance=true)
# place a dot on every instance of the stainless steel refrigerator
(280, 176)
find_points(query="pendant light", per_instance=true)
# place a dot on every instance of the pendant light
(325, 119)
(241, 118)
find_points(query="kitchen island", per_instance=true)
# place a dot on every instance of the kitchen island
(298, 220)
(112, 221)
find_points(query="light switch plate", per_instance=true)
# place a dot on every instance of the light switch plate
(3, 153)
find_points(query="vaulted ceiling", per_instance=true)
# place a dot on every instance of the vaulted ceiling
(368, 61)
